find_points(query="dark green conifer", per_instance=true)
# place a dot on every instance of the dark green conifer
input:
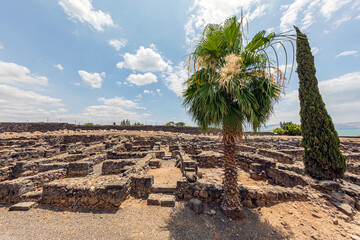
(322, 156)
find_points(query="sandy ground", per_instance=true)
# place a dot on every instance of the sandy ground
(136, 220)
(215, 176)
(167, 174)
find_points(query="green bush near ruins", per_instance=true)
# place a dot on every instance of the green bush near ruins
(322, 156)
(288, 128)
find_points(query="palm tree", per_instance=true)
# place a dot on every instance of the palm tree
(233, 84)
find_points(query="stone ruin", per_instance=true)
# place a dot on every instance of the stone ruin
(101, 169)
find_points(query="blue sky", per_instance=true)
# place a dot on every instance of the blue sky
(104, 61)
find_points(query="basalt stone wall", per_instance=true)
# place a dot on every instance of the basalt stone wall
(11, 190)
(106, 196)
(255, 196)
(45, 127)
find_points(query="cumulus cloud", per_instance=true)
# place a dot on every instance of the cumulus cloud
(120, 102)
(142, 79)
(117, 44)
(92, 80)
(340, 96)
(213, 11)
(15, 96)
(83, 11)
(12, 73)
(59, 66)
(175, 78)
(347, 53)
(20, 105)
(111, 109)
(144, 60)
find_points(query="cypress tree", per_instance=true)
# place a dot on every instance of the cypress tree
(322, 157)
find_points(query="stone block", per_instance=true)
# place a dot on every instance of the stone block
(196, 205)
(116, 166)
(153, 199)
(79, 169)
(155, 163)
(141, 185)
(329, 185)
(167, 201)
(345, 208)
(23, 206)
(163, 188)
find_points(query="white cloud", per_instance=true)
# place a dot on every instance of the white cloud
(112, 109)
(83, 11)
(15, 96)
(315, 50)
(342, 20)
(142, 79)
(317, 9)
(290, 15)
(329, 7)
(75, 83)
(92, 80)
(12, 73)
(347, 53)
(117, 44)
(59, 66)
(175, 78)
(214, 11)
(20, 105)
(1, 46)
(308, 19)
(145, 59)
(340, 96)
(148, 92)
(120, 102)
(259, 11)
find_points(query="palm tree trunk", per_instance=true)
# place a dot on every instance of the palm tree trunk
(231, 205)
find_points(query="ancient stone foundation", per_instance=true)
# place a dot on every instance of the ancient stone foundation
(101, 169)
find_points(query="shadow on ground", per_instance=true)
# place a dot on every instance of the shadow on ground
(185, 224)
(63, 209)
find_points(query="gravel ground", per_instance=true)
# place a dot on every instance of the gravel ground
(134, 220)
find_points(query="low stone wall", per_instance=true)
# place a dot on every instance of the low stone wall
(141, 186)
(254, 196)
(82, 196)
(79, 169)
(279, 156)
(11, 190)
(208, 160)
(116, 166)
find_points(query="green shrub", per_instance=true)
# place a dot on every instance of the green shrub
(288, 128)
(292, 130)
(180, 124)
(279, 131)
(88, 124)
